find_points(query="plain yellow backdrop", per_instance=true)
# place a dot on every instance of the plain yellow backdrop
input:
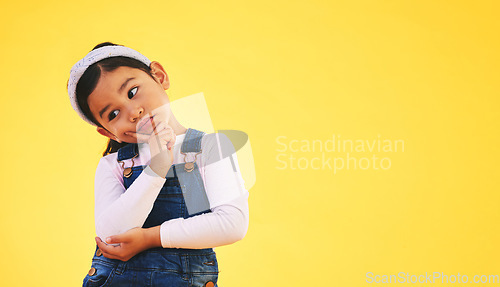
(287, 73)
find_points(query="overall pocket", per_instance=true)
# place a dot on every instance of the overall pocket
(204, 270)
(100, 274)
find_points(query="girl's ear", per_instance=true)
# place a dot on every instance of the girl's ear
(160, 74)
(106, 133)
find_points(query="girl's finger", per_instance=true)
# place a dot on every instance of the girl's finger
(162, 137)
(162, 125)
(166, 135)
(157, 127)
(115, 239)
(111, 251)
(171, 143)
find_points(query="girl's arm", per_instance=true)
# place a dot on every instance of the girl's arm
(203, 231)
(226, 224)
(118, 210)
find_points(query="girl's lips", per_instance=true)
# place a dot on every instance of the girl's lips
(144, 122)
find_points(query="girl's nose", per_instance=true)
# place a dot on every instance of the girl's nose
(135, 114)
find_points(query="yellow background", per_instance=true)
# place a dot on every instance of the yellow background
(425, 72)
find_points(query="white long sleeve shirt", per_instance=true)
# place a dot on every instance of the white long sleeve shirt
(118, 209)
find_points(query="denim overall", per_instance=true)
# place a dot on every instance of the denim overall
(163, 266)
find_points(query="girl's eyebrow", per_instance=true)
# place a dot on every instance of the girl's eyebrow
(124, 84)
(103, 110)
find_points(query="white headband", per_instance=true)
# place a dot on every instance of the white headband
(92, 57)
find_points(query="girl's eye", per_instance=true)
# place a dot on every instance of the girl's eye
(132, 92)
(113, 115)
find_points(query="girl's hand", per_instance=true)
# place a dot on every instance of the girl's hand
(161, 140)
(131, 243)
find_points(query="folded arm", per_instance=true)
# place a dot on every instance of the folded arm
(118, 210)
(224, 225)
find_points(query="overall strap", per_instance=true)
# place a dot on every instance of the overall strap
(192, 141)
(128, 151)
(189, 176)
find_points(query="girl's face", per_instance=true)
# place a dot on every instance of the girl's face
(127, 101)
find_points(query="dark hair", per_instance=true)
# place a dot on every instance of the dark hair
(90, 78)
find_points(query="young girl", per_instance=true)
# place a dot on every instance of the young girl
(164, 194)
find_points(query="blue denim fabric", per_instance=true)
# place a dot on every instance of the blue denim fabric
(162, 266)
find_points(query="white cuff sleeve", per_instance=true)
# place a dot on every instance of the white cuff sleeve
(226, 224)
